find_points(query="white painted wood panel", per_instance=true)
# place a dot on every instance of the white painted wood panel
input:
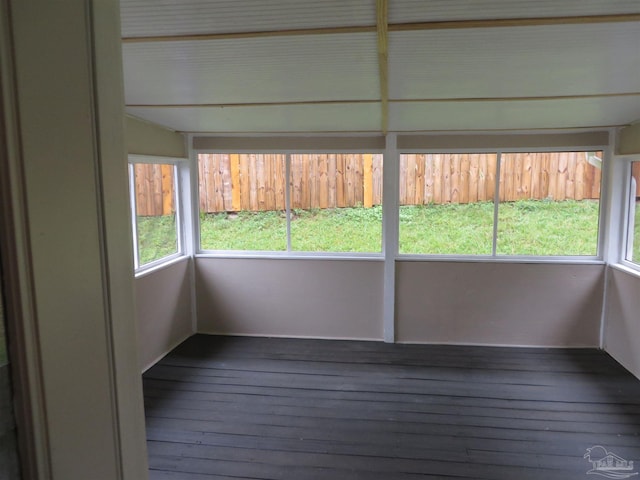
(496, 115)
(172, 17)
(348, 117)
(252, 70)
(515, 61)
(406, 11)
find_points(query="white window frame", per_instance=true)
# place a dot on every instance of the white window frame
(494, 257)
(181, 251)
(625, 225)
(288, 253)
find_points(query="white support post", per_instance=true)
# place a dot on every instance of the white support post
(191, 223)
(390, 234)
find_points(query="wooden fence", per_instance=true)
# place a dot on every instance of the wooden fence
(256, 182)
(466, 178)
(154, 185)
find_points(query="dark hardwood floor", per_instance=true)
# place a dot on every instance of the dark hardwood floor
(260, 408)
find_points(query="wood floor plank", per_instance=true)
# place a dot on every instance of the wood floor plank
(261, 408)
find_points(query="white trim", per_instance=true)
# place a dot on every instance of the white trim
(390, 234)
(260, 255)
(626, 268)
(289, 151)
(272, 335)
(502, 345)
(287, 197)
(178, 182)
(160, 265)
(522, 259)
(603, 314)
(444, 151)
(190, 226)
(134, 222)
(135, 158)
(496, 204)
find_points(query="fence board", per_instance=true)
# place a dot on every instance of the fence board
(367, 180)
(377, 179)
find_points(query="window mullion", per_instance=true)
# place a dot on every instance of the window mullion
(496, 204)
(287, 198)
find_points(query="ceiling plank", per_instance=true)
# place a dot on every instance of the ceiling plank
(383, 60)
(398, 27)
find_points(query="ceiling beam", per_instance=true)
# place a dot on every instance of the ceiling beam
(389, 100)
(514, 22)
(398, 27)
(239, 35)
(383, 61)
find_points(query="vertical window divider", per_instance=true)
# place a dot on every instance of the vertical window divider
(496, 204)
(287, 197)
(134, 223)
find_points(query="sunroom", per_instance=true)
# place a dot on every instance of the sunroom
(390, 239)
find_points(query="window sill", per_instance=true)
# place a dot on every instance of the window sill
(160, 264)
(631, 269)
(292, 255)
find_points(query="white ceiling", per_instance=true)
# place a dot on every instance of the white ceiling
(315, 65)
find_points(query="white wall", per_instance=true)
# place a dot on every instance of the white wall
(622, 320)
(163, 311)
(292, 298)
(499, 303)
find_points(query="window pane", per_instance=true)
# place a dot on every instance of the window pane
(633, 246)
(155, 211)
(242, 202)
(446, 203)
(336, 202)
(549, 203)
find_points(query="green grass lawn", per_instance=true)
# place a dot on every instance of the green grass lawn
(531, 227)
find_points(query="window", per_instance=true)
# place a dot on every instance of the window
(633, 232)
(154, 205)
(547, 203)
(242, 202)
(446, 203)
(329, 202)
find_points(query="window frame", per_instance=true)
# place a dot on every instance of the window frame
(288, 253)
(625, 247)
(179, 211)
(494, 257)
